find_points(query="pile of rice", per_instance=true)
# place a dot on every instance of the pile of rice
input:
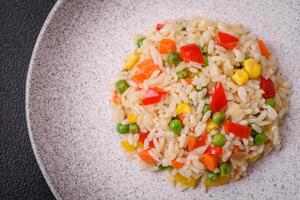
(245, 103)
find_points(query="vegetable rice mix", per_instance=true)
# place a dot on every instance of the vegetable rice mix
(199, 100)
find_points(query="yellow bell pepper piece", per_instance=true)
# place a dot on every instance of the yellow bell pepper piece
(126, 146)
(131, 61)
(221, 181)
(189, 182)
(252, 67)
(240, 77)
(183, 108)
(254, 158)
(131, 118)
(211, 125)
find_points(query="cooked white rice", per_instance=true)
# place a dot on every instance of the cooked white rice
(246, 105)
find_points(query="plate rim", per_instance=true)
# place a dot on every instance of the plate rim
(27, 96)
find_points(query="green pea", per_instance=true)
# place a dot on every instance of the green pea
(205, 60)
(204, 49)
(225, 169)
(218, 140)
(271, 102)
(122, 129)
(173, 58)
(206, 108)
(161, 167)
(176, 126)
(139, 42)
(260, 139)
(134, 128)
(218, 117)
(182, 74)
(213, 176)
(122, 86)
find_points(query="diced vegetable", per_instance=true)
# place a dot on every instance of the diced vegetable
(145, 156)
(201, 141)
(225, 169)
(183, 108)
(173, 58)
(189, 182)
(263, 48)
(240, 77)
(252, 67)
(166, 45)
(131, 61)
(218, 140)
(253, 133)
(268, 87)
(191, 53)
(151, 144)
(206, 108)
(116, 98)
(205, 60)
(127, 147)
(122, 129)
(238, 130)
(260, 139)
(134, 128)
(222, 180)
(226, 40)
(143, 136)
(176, 164)
(218, 117)
(210, 161)
(176, 126)
(211, 125)
(271, 102)
(131, 118)
(122, 86)
(188, 80)
(191, 142)
(161, 167)
(140, 41)
(204, 49)
(147, 67)
(140, 145)
(181, 117)
(139, 78)
(213, 176)
(218, 98)
(153, 95)
(216, 151)
(159, 26)
(182, 74)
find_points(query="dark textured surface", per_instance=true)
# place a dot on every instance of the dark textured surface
(20, 23)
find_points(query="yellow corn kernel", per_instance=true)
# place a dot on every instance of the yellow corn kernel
(126, 146)
(131, 118)
(183, 108)
(131, 61)
(211, 125)
(252, 67)
(240, 77)
(254, 158)
(189, 182)
(221, 181)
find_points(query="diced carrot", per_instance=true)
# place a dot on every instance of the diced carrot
(166, 46)
(181, 117)
(116, 98)
(191, 142)
(188, 80)
(210, 161)
(145, 156)
(139, 78)
(147, 67)
(263, 48)
(177, 165)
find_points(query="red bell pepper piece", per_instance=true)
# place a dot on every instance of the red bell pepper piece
(216, 151)
(218, 98)
(226, 40)
(201, 141)
(153, 95)
(191, 52)
(159, 26)
(143, 136)
(268, 87)
(238, 130)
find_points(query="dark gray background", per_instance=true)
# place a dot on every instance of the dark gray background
(20, 23)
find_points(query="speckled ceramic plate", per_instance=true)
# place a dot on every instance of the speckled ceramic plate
(68, 88)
